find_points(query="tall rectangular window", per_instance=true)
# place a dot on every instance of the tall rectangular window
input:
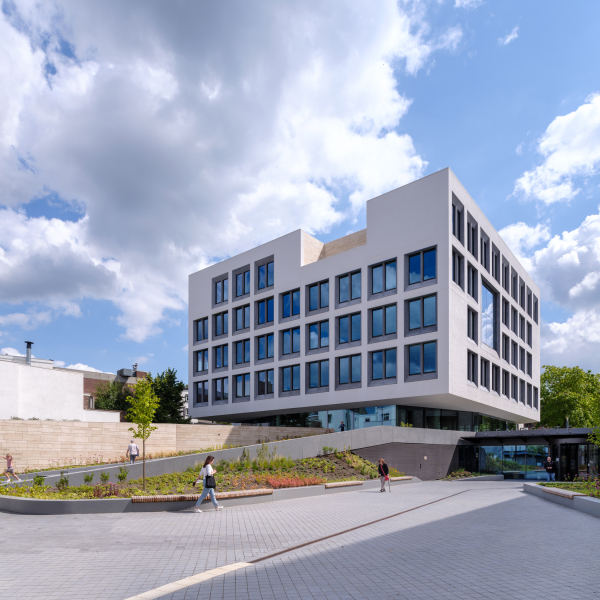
(242, 386)
(472, 239)
(202, 329)
(221, 324)
(485, 374)
(349, 287)
(266, 275)
(472, 279)
(484, 252)
(421, 266)
(290, 378)
(265, 310)
(514, 287)
(221, 288)
(489, 301)
(383, 277)
(318, 374)
(515, 321)
(349, 328)
(515, 355)
(514, 388)
(506, 312)
(505, 383)
(221, 356)
(383, 364)
(522, 364)
(422, 358)
(266, 347)
(202, 360)
(529, 365)
(495, 264)
(242, 284)
(242, 352)
(383, 321)
(265, 380)
(472, 324)
(529, 335)
(472, 367)
(221, 389)
(521, 391)
(529, 395)
(535, 309)
(318, 295)
(535, 398)
(318, 335)
(202, 392)
(242, 317)
(496, 379)
(506, 348)
(291, 304)
(506, 276)
(290, 339)
(422, 312)
(457, 268)
(522, 328)
(349, 369)
(522, 295)
(457, 222)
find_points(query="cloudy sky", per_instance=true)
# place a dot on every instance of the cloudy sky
(141, 141)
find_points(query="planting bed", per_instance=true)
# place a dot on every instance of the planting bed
(589, 487)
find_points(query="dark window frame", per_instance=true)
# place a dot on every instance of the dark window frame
(423, 328)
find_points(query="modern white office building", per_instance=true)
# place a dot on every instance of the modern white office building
(423, 318)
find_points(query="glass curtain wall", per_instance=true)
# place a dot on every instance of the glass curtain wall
(515, 462)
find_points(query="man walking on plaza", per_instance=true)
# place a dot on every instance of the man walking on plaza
(133, 451)
(550, 467)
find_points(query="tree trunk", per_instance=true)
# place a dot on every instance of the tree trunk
(144, 465)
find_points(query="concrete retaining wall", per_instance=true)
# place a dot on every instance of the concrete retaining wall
(585, 504)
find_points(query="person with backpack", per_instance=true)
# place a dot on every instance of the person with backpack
(384, 475)
(208, 483)
(134, 451)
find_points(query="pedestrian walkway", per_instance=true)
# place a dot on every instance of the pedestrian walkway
(492, 541)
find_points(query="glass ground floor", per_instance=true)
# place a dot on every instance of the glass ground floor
(527, 462)
(393, 415)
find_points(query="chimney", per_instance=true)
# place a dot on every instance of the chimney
(29, 344)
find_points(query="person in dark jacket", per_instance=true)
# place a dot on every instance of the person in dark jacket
(550, 467)
(342, 426)
(383, 473)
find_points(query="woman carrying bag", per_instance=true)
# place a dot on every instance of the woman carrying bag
(384, 475)
(208, 483)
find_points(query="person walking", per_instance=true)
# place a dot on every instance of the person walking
(10, 470)
(205, 472)
(134, 451)
(550, 467)
(342, 426)
(384, 475)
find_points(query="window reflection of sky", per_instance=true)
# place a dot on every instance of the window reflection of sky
(487, 316)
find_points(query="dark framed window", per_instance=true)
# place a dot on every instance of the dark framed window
(472, 279)
(242, 283)
(529, 395)
(457, 219)
(221, 356)
(422, 312)
(318, 295)
(349, 287)
(221, 291)
(515, 355)
(202, 392)
(221, 324)
(266, 311)
(290, 378)
(515, 321)
(506, 278)
(484, 254)
(242, 317)
(291, 304)
(529, 302)
(318, 335)
(202, 360)
(384, 321)
(535, 309)
(472, 237)
(202, 329)
(472, 324)
(290, 341)
(515, 286)
(485, 374)
(349, 328)
(266, 346)
(522, 295)
(522, 328)
(349, 369)
(384, 277)
(457, 268)
(266, 275)
(318, 374)
(383, 364)
(221, 389)
(514, 388)
(529, 335)
(521, 391)
(421, 266)
(505, 383)
(422, 358)
(242, 352)
(489, 305)
(535, 398)
(506, 348)
(529, 365)
(495, 263)
(242, 386)
(266, 382)
(496, 379)
(506, 312)
(522, 364)
(472, 367)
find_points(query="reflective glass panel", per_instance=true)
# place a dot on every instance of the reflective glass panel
(377, 326)
(218, 290)
(286, 342)
(239, 282)
(246, 316)
(414, 359)
(261, 312)
(414, 314)
(313, 336)
(429, 357)
(270, 380)
(377, 279)
(296, 302)
(325, 372)
(296, 340)
(262, 277)
(270, 310)
(262, 383)
(270, 274)
(355, 286)
(287, 383)
(487, 316)
(262, 347)
(344, 289)
(429, 265)
(287, 309)
(344, 370)
(377, 365)
(429, 311)
(324, 334)
(390, 319)
(225, 322)
(296, 377)
(390, 363)
(390, 275)
(355, 375)
(313, 375)
(324, 294)
(247, 282)
(355, 329)
(270, 345)
(414, 268)
(313, 300)
(344, 330)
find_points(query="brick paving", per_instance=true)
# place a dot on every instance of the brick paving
(493, 542)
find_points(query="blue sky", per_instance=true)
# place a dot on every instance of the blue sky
(141, 142)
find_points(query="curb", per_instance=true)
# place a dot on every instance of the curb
(574, 500)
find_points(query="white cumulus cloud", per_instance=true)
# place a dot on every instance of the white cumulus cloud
(507, 39)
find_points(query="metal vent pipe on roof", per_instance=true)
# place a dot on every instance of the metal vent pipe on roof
(29, 344)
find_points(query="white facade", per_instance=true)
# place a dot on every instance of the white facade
(39, 391)
(400, 224)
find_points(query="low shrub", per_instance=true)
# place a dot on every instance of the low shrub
(122, 474)
(38, 480)
(104, 476)
(63, 483)
(88, 478)
(106, 491)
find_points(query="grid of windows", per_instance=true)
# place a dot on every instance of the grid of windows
(383, 364)
(221, 324)
(242, 352)
(265, 382)
(202, 329)
(265, 346)
(221, 293)
(349, 328)
(202, 392)
(290, 341)
(265, 311)
(291, 304)
(266, 275)
(318, 374)
(318, 335)
(221, 390)
(202, 360)
(290, 378)
(422, 312)
(383, 321)
(221, 356)
(318, 295)
(242, 284)
(349, 369)
(422, 358)
(383, 277)
(242, 386)
(349, 287)
(242, 317)
(421, 266)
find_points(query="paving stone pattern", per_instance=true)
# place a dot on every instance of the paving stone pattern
(491, 542)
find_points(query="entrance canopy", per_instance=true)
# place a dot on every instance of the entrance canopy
(542, 435)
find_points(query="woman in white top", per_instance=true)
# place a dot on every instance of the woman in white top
(206, 471)
(134, 451)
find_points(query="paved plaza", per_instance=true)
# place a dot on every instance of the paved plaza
(490, 542)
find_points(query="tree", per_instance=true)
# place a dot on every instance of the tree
(144, 403)
(569, 392)
(112, 395)
(168, 389)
